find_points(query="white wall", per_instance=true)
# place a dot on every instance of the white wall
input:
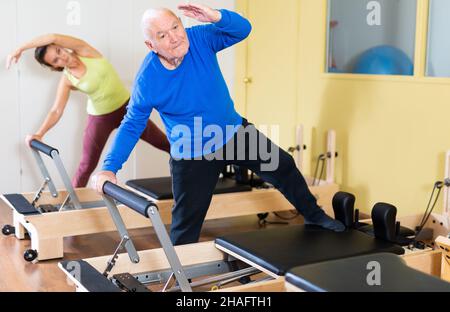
(38, 85)
(28, 90)
(9, 103)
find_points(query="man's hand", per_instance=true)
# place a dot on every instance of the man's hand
(13, 58)
(100, 178)
(201, 13)
(32, 137)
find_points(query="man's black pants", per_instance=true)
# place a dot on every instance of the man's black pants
(194, 182)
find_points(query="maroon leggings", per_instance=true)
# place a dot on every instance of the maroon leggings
(96, 135)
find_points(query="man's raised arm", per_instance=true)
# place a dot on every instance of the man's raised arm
(227, 29)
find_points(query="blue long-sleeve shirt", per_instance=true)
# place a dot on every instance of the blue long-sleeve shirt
(190, 98)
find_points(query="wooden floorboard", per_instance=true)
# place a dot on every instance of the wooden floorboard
(19, 276)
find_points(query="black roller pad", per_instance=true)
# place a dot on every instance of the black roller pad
(283, 248)
(351, 275)
(161, 188)
(21, 204)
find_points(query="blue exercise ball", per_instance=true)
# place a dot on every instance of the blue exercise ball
(384, 60)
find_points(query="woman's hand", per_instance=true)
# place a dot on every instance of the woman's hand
(13, 57)
(201, 13)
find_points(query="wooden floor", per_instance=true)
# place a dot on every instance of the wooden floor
(18, 276)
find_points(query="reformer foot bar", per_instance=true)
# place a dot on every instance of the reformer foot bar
(268, 254)
(252, 201)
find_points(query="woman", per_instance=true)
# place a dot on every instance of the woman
(86, 70)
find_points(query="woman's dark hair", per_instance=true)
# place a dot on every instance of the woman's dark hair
(39, 55)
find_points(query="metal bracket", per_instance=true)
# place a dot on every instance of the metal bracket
(38, 194)
(222, 279)
(168, 248)
(129, 283)
(66, 180)
(112, 261)
(64, 203)
(49, 182)
(45, 173)
(118, 221)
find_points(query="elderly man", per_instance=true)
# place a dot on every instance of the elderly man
(182, 80)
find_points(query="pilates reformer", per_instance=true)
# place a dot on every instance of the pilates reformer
(49, 216)
(265, 254)
(253, 198)
(35, 213)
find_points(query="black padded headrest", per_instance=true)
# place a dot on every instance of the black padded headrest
(283, 248)
(161, 188)
(384, 221)
(344, 207)
(352, 275)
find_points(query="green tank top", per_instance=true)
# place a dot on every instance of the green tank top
(102, 84)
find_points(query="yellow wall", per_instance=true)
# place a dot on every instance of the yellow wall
(393, 132)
